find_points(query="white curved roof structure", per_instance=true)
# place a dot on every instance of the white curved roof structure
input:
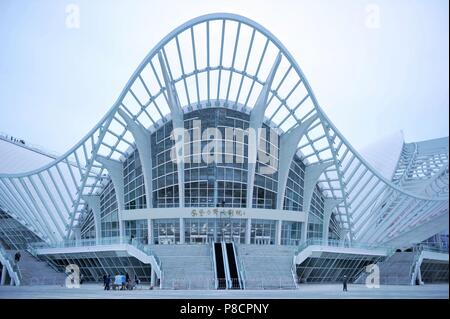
(228, 60)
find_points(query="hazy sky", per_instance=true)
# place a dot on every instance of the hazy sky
(372, 74)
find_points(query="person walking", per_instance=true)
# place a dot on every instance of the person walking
(104, 280)
(17, 257)
(136, 280)
(107, 282)
(344, 283)
(123, 281)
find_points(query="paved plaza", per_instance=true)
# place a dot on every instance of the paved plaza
(323, 291)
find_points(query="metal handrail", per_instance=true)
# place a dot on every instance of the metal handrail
(83, 242)
(239, 264)
(339, 243)
(226, 266)
(425, 247)
(213, 254)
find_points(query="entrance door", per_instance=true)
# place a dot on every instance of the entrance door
(262, 240)
(199, 239)
(166, 240)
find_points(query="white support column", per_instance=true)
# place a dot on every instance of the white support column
(142, 139)
(312, 174)
(150, 231)
(93, 202)
(115, 170)
(256, 122)
(278, 234)
(182, 240)
(248, 231)
(177, 116)
(3, 280)
(328, 206)
(153, 278)
(288, 146)
(77, 234)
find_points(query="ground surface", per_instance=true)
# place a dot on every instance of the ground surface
(323, 291)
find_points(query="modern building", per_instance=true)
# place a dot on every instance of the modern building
(217, 168)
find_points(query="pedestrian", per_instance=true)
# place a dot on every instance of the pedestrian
(136, 280)
(344, 282)
(107, 282)
(123, 278)
(17, 257)
(127, 277)
(104, 280)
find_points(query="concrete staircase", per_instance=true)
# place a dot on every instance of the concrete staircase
(395, 270)
(267, 266)
(35, 272)
(185, 266)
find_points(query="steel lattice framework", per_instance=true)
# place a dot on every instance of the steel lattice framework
(229, 61)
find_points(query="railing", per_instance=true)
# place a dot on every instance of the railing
(274, 282)
(339, 243)
(240, 265)
(213, 254)
(190, 284)
(431, 248)
(226, 266)
(147, 250)
(83, 242)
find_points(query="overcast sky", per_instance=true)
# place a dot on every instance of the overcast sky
(376, 67)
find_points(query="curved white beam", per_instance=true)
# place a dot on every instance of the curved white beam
(328, 206)
(143, 144)
(256, 122)
(288, 146)
(115, 170)
(178, 126)
(93, 202)
(312, 174)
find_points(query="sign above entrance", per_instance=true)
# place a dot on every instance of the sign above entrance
(230, 212)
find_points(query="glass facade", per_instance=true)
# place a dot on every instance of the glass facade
(137, 230)
(94, 265)
(266, 173)
(88, 225)
(166, 231)
(206, 230)
(263, 232)
(293, 198)
(215, 174)
(13, 235)
(315, 220)
(220, 175)
(165, 177)
(134, 188)
(109, 211)
(291, 233)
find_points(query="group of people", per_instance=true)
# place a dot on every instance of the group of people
(123, 282)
